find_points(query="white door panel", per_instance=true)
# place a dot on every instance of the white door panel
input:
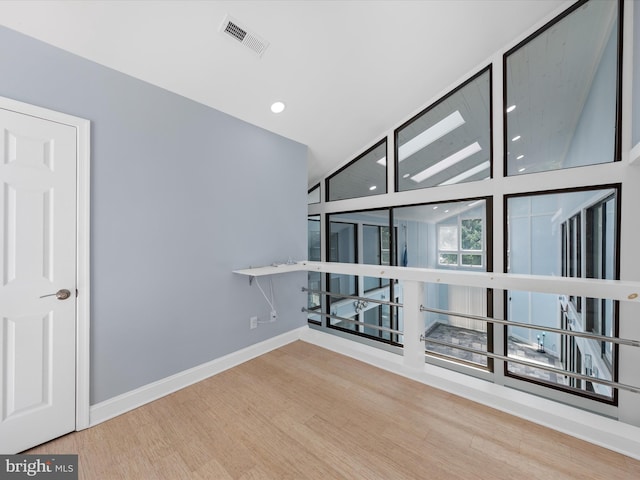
(37, 258)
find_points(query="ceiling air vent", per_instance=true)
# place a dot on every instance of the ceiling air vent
(236, 30)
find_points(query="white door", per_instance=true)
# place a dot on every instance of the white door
(37, 258)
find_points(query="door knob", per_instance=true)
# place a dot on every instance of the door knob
(60, 294)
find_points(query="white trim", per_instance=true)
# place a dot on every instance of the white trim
(605, 432)
(82, 127)
(128, 401)
(83, 276)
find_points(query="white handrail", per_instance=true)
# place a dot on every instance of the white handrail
(625, 291)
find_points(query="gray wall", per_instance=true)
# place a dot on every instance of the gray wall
(635, 137)
(181, 195)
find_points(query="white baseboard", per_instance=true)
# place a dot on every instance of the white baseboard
(605, 432)
(126, 402)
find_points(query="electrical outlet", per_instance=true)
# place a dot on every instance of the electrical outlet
(253, 323)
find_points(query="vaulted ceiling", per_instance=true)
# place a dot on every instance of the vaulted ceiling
(348, 71)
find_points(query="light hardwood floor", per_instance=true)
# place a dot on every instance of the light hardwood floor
(302, 412)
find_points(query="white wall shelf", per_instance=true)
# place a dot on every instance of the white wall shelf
(274, 269)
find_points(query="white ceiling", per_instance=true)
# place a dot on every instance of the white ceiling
(349, 71)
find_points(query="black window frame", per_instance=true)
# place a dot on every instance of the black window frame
(489, 69)
(327, 181)
(617, 154)
(312, 189)
(613, 400)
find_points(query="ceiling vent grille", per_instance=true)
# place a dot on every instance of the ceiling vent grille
(233, 28)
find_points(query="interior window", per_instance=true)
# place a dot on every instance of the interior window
(450, 142)
(313, 196)
(449, 235)
(363, 237)
(314, 279)
(564, 117)
(363, 177)
(571, 234)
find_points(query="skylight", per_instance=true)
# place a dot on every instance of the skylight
(469, 173)
(430, 135)
(447, 162)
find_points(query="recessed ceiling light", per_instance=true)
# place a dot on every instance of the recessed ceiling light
(516, 138)
(435, 208)
(406, 175)
(277, 107)
(511, 108)
(519, 157)
(522, 169)
(446, 211)
(372, 187)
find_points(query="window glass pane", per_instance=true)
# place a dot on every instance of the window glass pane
(534, 234)
(450, 142)
(344, 323)
(610, 221)
(314, 279)
(563, 352)
(313, 236)
(367, 234)
(314, 282)
(555, 234)
(448, 237)
(314, 195)
(343, 249)
(365, 176)
(564, 117)
(452, 332)
(418, 230)
(385, 246)
(471, 233)
(374, 316)
(371, 244)
(472, 260)
(342, 242)
(448, 259)
(375, 251)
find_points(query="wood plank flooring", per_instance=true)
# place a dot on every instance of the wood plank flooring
(302, 412)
